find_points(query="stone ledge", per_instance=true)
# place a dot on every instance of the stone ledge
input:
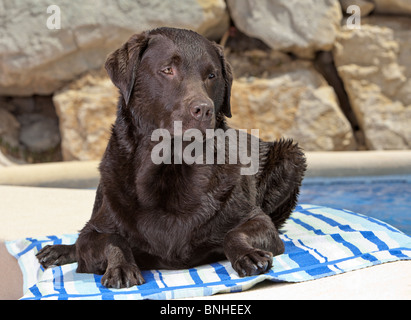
(84, 174)
(74, 174)
(358, 163)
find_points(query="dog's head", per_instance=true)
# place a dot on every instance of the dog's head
(169, 75)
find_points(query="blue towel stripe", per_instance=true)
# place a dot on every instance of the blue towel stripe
(372, 220)
(220, 271)
(34, 290)
(58, 282)
(329, 221)
(34, 244)
(194, 275)
(308, 227)
(370, 236)
(161, 279)
(318, 241)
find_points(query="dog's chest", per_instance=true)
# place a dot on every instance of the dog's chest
(179, 212)
(169, 235)
(172, 189)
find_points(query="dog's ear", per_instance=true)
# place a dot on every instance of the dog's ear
(121, 65)
(228, 81)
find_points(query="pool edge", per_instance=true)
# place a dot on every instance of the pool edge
(84, 174)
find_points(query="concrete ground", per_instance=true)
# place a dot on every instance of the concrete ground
(45, 199)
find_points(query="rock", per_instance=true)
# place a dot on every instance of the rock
(374, 64)
(393, 6)
(294, 102)
(29, 132)
(36, 60)
(86, 109)
(39, 133)
(301, 27)
(9, 129)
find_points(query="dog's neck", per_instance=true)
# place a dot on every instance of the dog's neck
(157, 185)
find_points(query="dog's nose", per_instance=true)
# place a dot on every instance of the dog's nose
(202, 111)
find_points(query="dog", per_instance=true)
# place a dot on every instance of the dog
(179, 215)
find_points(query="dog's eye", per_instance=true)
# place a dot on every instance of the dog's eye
(211, 76)
(168, 70)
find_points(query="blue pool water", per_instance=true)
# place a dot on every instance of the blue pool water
(387, 198)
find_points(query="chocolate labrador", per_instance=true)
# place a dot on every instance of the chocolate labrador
(172, 215)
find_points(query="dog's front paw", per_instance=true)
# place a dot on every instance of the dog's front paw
(122, 276)
(56, 255)
(253, 263)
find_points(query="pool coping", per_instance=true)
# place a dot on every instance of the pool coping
(84, 174)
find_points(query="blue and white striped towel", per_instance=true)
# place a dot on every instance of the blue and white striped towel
(319, 242)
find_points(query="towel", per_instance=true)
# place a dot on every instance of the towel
(319, 242)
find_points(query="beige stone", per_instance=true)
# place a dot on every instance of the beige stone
(374, 65)
(296, 102)
(86, 109)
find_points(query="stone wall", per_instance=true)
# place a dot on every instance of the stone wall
(37, 60)
(301, 70)
(374, 64)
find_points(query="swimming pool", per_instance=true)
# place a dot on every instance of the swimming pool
(387, 198)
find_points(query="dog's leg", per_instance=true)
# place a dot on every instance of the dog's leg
(282, 167)
(108, 254)
(250, 246)
(57, 255)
